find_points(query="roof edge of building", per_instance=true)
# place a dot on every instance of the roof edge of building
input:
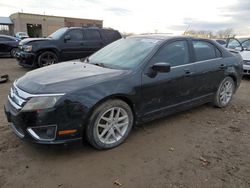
(55, 16)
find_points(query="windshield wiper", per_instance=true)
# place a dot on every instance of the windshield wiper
(99, 64)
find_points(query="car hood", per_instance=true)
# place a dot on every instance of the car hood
(245, 55)
(28, 40)
(65, 77)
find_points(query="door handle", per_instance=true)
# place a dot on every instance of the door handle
(222, 66)
(188, 72)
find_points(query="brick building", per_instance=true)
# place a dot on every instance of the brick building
(43, 25)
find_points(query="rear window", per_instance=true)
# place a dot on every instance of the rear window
(205, 51)
(111, 35)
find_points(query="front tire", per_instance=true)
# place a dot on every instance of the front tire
(109, 124)
(224, 93)
(13, 52)
(47, 58)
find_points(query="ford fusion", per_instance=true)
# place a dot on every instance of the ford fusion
(130, 81)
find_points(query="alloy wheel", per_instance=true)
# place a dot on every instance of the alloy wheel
(112, 125)
(47, 58)
(226, 92)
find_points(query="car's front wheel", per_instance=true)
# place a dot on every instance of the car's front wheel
(109, 124)
(13, 52)
(224, 93)
(47, 58)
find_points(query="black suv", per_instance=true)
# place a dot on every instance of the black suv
(63, 45)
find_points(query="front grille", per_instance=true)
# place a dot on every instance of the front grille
(17, 97)
(246, 62)
(20, 47)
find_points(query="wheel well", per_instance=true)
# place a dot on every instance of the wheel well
(47, 50)
(122, 98)
(234, 79)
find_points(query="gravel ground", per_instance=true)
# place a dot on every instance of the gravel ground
(203, 147)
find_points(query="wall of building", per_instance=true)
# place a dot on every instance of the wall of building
(49, 23)
(75, 22)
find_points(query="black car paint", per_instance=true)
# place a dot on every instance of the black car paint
(64, 49)
(149, 96)
(7, 43)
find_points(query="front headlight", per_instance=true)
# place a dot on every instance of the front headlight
(39, 103)
(27, 48)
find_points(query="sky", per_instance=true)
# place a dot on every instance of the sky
(137, 16)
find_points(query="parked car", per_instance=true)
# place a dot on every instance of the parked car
(21, 35)
(63, 45)
(130, 81)
(8, 45)
(241, 45)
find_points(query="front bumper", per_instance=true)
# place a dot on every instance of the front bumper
(22, 124)
(26, 59)
(246, 68)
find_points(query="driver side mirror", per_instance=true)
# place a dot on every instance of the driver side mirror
(158, 67)
(161, 67)
(66, 38)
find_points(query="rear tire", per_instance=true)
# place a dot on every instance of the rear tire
(47, 58)
(109, 124)
(224, 93)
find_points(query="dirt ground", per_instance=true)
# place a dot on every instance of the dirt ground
(203, 147)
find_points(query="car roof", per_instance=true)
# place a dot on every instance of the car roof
(7, 36)
(98, 28)
(164, 37)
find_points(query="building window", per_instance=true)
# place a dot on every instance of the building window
(4, 29)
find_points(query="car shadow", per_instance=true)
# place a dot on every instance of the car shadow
(247, 78)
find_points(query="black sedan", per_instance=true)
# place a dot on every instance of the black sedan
(130, 81)
(8, 45)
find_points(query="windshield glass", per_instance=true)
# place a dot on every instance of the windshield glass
(22, 34)
(57, 34)
(124, 53)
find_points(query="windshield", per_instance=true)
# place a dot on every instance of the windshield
(23, 34)
(237, 43)
(58, 33)
(124, 53)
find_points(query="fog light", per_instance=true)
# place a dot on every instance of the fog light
(43, 133)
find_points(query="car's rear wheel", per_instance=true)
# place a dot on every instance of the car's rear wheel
(47, 58)
(109, 124)
(224, 93)
(13, 52)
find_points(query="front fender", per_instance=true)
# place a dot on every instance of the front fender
(85, 100)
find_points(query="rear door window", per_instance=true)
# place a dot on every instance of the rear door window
(205, 51)
(111, 36)
(175, 53)
(91, 34)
